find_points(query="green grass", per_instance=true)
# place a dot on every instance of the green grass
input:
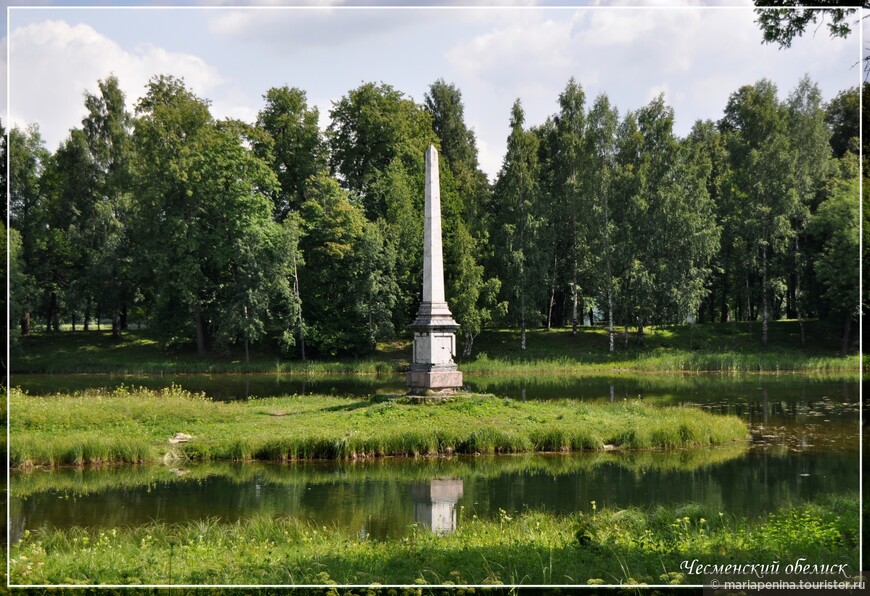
(134, 426)
(612, 546)
(138, 352)
(721, 347)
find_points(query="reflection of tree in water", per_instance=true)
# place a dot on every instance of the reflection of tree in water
(379, 499)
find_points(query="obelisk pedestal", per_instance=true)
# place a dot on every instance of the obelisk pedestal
(432, 366)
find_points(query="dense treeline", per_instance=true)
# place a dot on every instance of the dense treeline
(227, 233)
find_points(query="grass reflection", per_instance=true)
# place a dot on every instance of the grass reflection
(87, 481)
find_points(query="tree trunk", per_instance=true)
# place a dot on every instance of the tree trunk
(25, 323)
(847, 328)
(123, 319)
(52, 308)
(523, 335)
(764, 310)
(301, 326)
(247, 353)
(748, 312)
(723, 314)
(116, 324)
(591, 321)
(200, 333)
(640, 331)
(574, 302)
(523, 312)
(574, 257)
(87, 318)
(797, 292)
(72, 321)
(610, 337)
(469, 345)
(552, 294)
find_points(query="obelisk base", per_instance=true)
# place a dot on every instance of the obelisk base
(442, 382)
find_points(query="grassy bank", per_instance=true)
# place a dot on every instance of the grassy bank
(600, 546)
(721, 347)
(134, 426)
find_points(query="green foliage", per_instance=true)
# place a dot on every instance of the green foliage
(371, 127)
(27, 158)
(516, 223)
(21, 288)
(782, 25)
(842, 115)
(204, 219)
(293, 147)
(210, 231)
(346, 284)
(668, 211)
(836, 223)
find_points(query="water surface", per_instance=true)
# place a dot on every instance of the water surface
(383, 499)
(805, 442)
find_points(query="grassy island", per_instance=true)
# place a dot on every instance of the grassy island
(137, 426)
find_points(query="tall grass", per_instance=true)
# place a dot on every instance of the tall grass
(663, 361)
(614, 546)
(133, 426)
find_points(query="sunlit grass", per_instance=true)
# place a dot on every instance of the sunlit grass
(135, 426)
(600, 545)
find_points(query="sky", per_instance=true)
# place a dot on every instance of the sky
(697, 56)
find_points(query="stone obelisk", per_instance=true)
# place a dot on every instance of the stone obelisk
(432, 366)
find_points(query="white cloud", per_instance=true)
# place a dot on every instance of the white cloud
(697, 57)
(53, 63)
(524, 52)
(309, 27)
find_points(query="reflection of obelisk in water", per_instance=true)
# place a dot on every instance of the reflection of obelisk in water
(432, 366)
(435, 503)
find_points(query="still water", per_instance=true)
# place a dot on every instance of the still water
(804, 444)
(383, 499)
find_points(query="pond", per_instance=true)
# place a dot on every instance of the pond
(805, 443)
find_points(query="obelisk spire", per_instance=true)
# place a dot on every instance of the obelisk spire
(432, 366)
(433, 308)
(433, 261)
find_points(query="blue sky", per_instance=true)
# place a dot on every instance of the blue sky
(697, 56)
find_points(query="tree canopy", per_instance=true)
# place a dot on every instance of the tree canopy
(223, 234)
